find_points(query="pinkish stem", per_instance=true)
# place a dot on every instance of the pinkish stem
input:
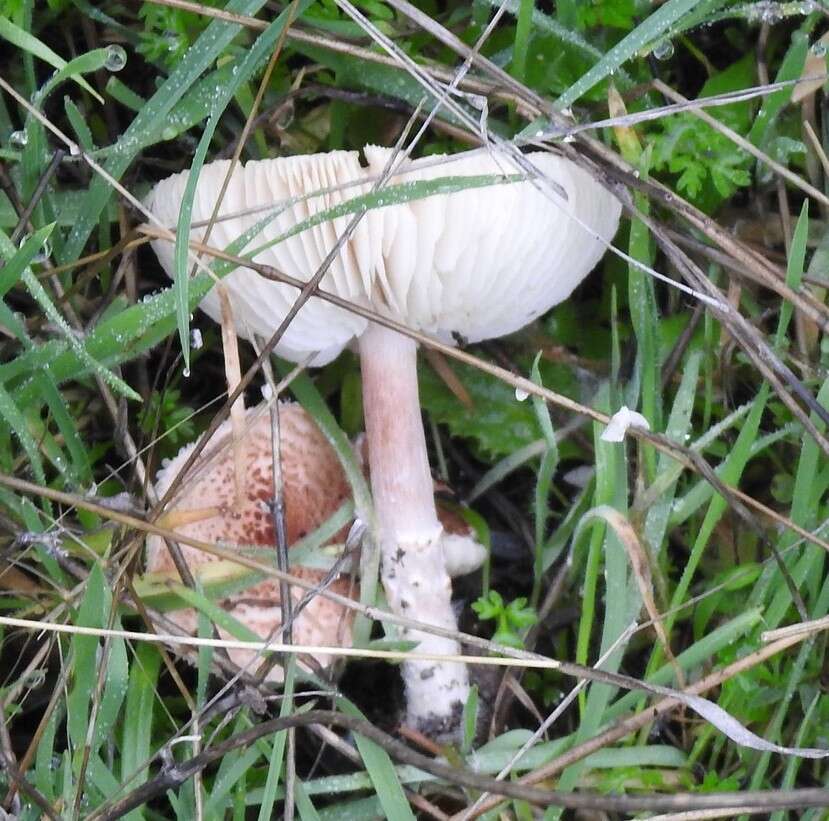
(411, 537)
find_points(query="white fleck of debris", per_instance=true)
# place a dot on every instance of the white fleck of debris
(580, 476)
(267, 391)
(195, 339)
(623, 419)
(521, 394)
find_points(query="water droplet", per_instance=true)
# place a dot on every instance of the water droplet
(569, 138)
(521, 394)
(169, 133)
(819, 49)
(19, 139)
(267, 391)
(195, 339)
(186, 373)
(663, 50)
(116, 58)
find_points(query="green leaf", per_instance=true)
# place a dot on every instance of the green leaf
(84, 64)
(306, 809)
(82, 133)
(523, 31)
(22, 39)
(81, 470)
(469, 721)
(18, 424)
(546, 472)
(18, 260)
(498, 423)
(92, 613)
(773, 103)
(381, 771)
(136, 745)
(794, 270)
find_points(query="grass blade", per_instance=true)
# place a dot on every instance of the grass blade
(22, 39)
(651, 29)
(381, 771)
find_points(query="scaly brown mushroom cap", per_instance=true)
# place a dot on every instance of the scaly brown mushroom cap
(314, 488)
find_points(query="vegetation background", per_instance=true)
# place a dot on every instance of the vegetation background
(717, 523)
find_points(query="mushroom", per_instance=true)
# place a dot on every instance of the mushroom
(478, 264)
(207, 508)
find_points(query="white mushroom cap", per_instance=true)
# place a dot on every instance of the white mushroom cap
(484, 262)
(261, 304)
(481, 262)
(314, 487)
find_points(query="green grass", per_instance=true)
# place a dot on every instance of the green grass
(97, 364)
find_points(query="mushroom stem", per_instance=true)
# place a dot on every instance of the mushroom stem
(414, 572)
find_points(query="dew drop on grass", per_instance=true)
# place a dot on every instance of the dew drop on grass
(186, 373)
(664, 50)
(521, 394)
(116, 58)
(19, 139)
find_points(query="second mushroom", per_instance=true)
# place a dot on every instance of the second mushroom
(476, 263)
